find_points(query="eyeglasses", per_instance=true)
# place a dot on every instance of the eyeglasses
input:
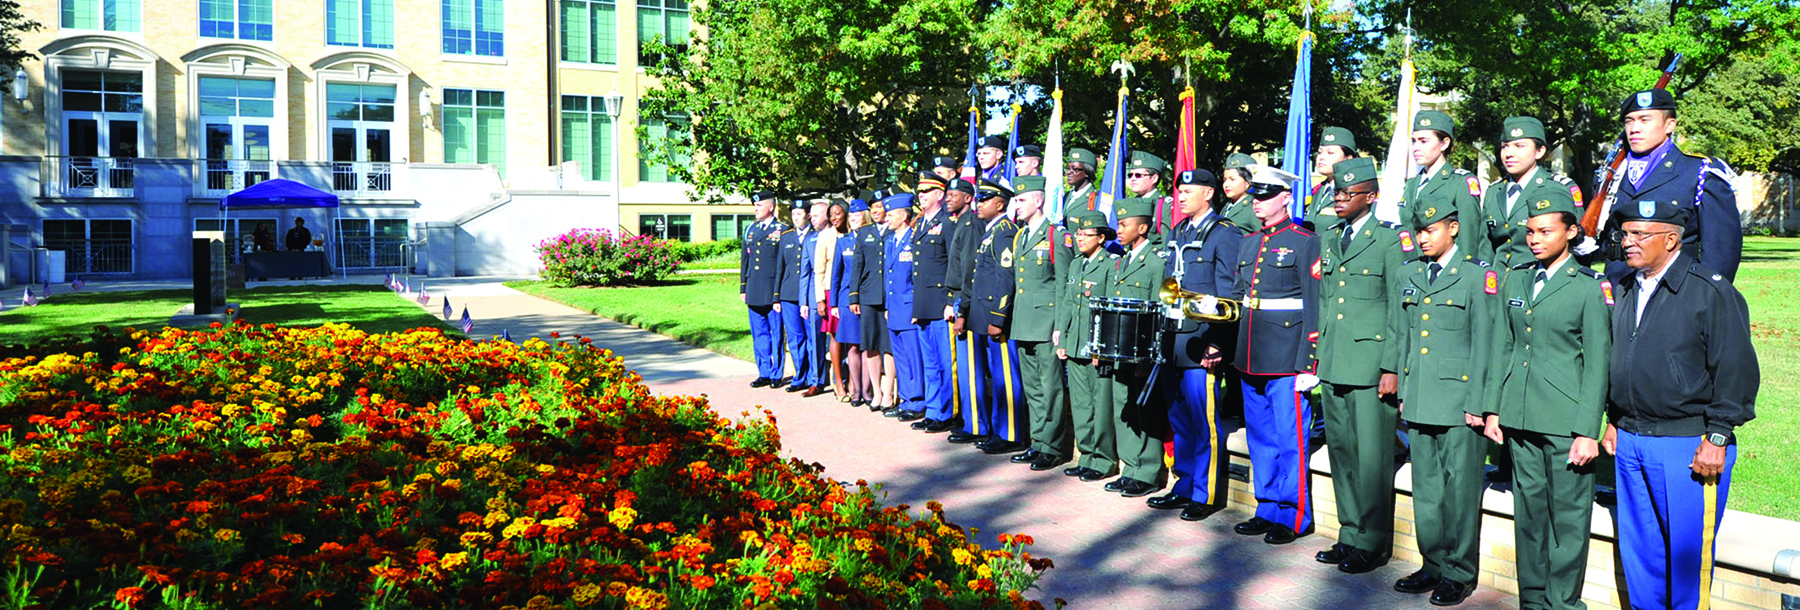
(1623, 236)
(1350, 194)
(1140, 175)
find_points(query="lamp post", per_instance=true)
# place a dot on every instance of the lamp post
(615, 102)
(21, 86)
(425, 107)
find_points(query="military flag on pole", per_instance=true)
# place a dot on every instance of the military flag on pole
(1118, 153)
(1399, 164)
(1052, 168)
(971, 166)
(1186, 157)
(29, 300)
(1297, 146)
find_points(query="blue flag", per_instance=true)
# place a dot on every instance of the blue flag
(971, 166)
(1011, 172)
(1112, 181)
(1297, 146)
(468, 323)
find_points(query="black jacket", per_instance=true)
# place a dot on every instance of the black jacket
(991, 290)
(1210, 268)
(758, 264)
(870, 268)
(1688, 368)
(931, 263)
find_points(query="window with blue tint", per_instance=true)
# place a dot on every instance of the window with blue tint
(241, 19)
(246, 97)
(108, 15)
(590, 31)
(475, 127)
(359, 102)
(360, 23)
(474, 27)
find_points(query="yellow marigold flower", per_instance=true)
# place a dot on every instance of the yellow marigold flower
(585, 594)
(546, 469)
(495, 517)
(985, 571)
(539, 603)
(225, 535)
(518, 527)
(639, 597)
(962, 557)
(622, 517)
(451, 561)
(471, 539)
(864, 544)
(560, 522)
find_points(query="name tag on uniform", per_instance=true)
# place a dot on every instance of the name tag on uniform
(1410, 292)
(1519, 303)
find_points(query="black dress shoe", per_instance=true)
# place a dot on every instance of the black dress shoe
(943, 426)
(921, 424)
(912, 415)
(1417, 582)
(1256, 526)
(778, 383)
(962, 438)
(1139, 489)
(1197, 511)
(1117, 485)
(797, 388)
(761, 382)
(1336, 554)
(1283, 534)
(1026, 457)
(891, 412)
(1094, 475)
(1450, 593)
(1074, 471)
(1363, 562)
(1002, 447)
(1046, 461)
(875, 408)
(1168, 502)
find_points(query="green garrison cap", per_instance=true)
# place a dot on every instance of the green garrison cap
(1237, 160)
(1084, 218)
(1521, 127)
(1083, 156)
(1141, 159)
(1353, 171)
(1434, 207)
(1434, 120)
(1338, 136)
(1554, 205)
(1028, 184)
(1135, 207)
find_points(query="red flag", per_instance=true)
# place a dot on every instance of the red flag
(1186, 157)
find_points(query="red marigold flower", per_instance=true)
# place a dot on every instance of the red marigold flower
(702, 583)
(131, 596)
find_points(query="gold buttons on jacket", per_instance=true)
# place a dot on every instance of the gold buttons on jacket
(1340, 299)
(1424, 333)
(1340, 316)
(1427, 300)
(1425, 316)
(1424, 350)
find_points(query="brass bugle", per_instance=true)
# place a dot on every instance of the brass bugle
(1171, 294)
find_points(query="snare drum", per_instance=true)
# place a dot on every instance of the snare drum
(1125, 330)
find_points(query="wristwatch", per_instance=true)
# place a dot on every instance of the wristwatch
(1718, 439)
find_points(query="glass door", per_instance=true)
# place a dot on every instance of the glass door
(101, 116)
(361, 128)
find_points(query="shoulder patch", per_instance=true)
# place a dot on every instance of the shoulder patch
(1493, 283)
(1606, 291)
(1474, 186)
(1406, 241)
(1575, 193)
(1068, 240)
(1315, 270)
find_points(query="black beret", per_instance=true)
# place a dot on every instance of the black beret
(946, 161)
(1654, 99)
(962, 186)
(1197, 177)
(1663, 211)
(1028, 150)
(762, 196)
(994, 141)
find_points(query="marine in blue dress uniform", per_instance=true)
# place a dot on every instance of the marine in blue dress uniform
(1684, 378)
(758, 264)
(988, 311)
(1203, 253)
(931, 237)
(790, 301)
(1658, 171)
(1278, 277)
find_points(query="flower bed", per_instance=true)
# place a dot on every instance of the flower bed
(597, 257)
(274, 467)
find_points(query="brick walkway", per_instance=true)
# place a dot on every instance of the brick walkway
(1110, 552)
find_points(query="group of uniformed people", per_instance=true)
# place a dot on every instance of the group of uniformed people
(1475, 326)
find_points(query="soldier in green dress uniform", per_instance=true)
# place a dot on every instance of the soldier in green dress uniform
(1041, 254)
(1090, 393)
(1358, 366)
(1456, 189)
(1551, 348)
(1236, 183)
(1136, 274)
(1144, 180)
(1443, 322)
(1078, 184)
(1335, 145)
(1507, 203)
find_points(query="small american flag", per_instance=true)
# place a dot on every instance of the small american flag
(468, 323)
(29, 300)
(424, 297)
(77, 284)
(407, 292)
(447, 311)
(505, 336)
(392, 283)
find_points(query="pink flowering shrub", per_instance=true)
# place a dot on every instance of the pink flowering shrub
(597, 257)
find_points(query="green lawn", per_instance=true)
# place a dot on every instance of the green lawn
(700, 309)
(704, 310)
(370, 308)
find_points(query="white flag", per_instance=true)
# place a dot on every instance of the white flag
(1399, 164)
(1052, 168)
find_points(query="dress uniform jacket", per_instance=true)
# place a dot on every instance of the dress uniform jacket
(1075, 319)
(898, 279)
(931, 240)
(959, 269)
(1443, 331)
(991, 290)
(1319, 210)
(1548, 371)
(1452, 184)
(758, 266)
(1714, 237)
(1041, 254)
(792, 268)
(1693, 370)
(1080, 198)
(1205, 249)
(1278, 262)
(1356, 333)
(870, 268)
(1505, 246)
(1243, 214)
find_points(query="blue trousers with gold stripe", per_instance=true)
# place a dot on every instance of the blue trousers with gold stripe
(909, 388)
(1199, 440)
(934, 355)
(1007, 417)
(1277, 421)
(765, 337)
(1667, 520)
(969, 367)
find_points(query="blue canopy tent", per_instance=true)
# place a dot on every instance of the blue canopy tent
(278, 193)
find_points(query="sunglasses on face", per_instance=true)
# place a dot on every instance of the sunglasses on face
(1139, 175)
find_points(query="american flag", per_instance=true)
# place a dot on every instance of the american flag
(406, 289)
(424, 296)
(77, 284)
(468, 323)
(29, 300)
(447, 310)
(392, 283)
(505, 336)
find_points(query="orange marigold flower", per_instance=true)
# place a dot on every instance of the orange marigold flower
(131, 596)
(293, 538)
(702, 583)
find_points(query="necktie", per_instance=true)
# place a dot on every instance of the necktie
(1344, 238)
(1542, 276)
(1512, 194)
(1435, 268)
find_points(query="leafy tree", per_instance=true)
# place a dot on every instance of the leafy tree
(1749, 113)
(12, 23)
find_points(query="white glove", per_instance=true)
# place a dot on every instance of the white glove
(1305, 382)
(1586, 246)
(1209, 305)
(1173, 313)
